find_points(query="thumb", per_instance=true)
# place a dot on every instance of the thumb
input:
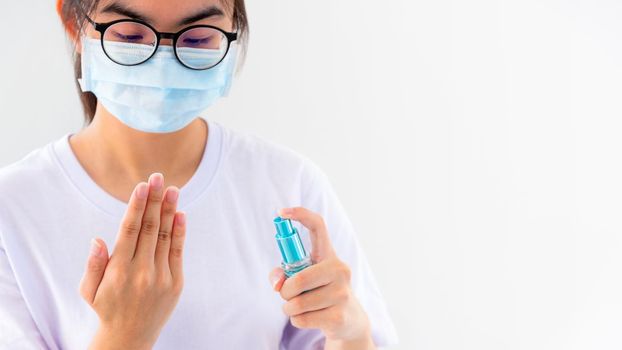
(277, 277)
(95, 267)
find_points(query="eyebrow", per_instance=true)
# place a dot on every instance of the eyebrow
(119, 9)
(211, 11)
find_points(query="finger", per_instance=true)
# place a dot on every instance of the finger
(277, 277)
(316, 319)
(175, 257)
(125, 244)
(321, 248)
(317, 299)
(150, 225)
(167, 215)
(95, 267)
(310, 278)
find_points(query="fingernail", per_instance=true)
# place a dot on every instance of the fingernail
(141, 191)
(286, 211)
(156, 180)
(181, 218)
(275, 276)
(171, 195)
(96, 248)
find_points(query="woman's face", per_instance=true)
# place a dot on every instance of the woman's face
(165, 15)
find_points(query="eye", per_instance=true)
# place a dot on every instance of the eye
(197, 41)
(128, 37)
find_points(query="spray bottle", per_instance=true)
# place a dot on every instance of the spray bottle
(295, 257)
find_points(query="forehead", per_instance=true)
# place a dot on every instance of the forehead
(159, 9)
(157, 5)
(167, 14)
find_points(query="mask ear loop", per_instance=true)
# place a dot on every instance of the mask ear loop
(232, 58)
(84, 80)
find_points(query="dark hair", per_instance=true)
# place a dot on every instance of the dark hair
(73, 14)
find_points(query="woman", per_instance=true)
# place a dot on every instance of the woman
(180, 260)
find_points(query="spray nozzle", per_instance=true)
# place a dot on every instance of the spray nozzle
(284, 227)
(295, 257)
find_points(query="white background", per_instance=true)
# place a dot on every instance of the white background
(475, 145)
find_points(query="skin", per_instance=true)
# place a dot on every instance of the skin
(135, 289)
(320, 296)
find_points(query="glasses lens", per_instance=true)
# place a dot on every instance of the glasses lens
(201, 48)
(129, 43)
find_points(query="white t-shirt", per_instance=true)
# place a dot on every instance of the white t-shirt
(50, 209)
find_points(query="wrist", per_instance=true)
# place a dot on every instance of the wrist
(107, 339)
(362, 342)
(358, 337)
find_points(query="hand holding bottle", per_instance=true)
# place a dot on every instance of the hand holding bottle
(320, 296)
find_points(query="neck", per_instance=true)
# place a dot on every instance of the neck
(117, 157)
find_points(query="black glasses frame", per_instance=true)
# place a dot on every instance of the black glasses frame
(102, 27)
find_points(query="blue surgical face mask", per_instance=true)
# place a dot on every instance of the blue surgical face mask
(159, 95)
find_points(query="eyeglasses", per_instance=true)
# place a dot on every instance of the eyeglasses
(131, 42)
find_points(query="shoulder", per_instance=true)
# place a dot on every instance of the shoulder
(25, 174)
(252, 147)
(255, 153)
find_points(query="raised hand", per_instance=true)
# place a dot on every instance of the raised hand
(135, 290)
